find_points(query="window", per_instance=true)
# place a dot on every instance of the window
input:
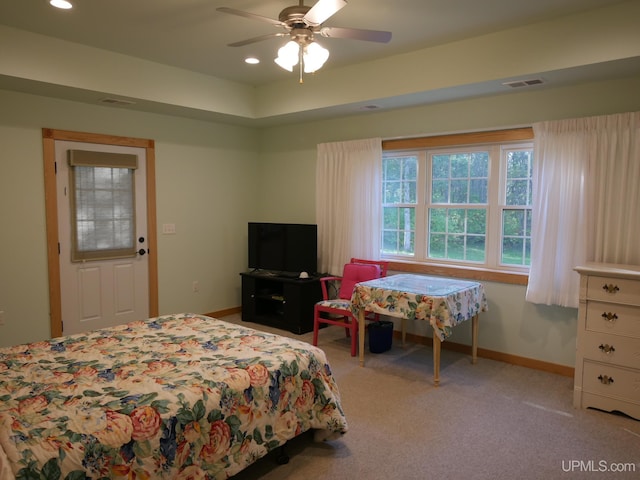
(102, 205)
(465, 205)
(516, 207)
(457, 205)
(399, 204)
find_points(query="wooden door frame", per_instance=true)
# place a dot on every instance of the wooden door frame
(49, 138)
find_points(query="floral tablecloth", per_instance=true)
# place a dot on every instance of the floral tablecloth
(444, 302)
(174, 397)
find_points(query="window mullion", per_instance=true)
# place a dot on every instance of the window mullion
(494, 210)
(422, 210)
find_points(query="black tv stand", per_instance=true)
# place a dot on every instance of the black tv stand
(276, 274)
(288, 275)
(279, 301)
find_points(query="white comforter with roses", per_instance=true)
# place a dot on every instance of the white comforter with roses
(176, 397)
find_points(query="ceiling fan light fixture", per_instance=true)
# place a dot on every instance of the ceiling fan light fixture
(314, 57)
(288, 55)
(301, 23)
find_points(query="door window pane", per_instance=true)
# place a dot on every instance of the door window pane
(103, 212)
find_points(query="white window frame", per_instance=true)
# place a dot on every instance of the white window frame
(505, 148)
(496, 198)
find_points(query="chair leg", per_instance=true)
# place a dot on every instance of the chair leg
(347, 329)
(316, 327)
(351, 329)
(354, 337)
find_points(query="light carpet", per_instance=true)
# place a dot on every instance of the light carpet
(488, 421)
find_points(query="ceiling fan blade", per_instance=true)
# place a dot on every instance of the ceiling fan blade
(253, 16)
(322, 10)
(257, 39)
(356, 34)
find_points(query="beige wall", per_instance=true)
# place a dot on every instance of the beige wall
(206, 186)
(512, 325)
(213, 178)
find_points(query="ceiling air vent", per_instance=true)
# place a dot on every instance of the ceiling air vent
(524, 83)
(116, 101)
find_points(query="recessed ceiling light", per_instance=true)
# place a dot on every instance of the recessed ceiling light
(252, 60)
(64, 4)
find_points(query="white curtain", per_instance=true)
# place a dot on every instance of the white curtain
(348, 202)
(586, 201)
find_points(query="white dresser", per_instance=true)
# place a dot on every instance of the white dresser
(607, 373)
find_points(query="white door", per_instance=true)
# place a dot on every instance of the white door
(101, 293)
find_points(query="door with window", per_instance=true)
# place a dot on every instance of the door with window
(102, 227)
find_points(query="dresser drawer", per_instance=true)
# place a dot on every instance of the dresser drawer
(607, 348)
(614, 290)
(614, 382)
(602, 402)
(615, 319)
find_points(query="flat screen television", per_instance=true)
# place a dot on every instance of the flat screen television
(287, 248)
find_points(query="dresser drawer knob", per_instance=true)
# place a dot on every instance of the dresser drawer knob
(606, 348)
(610, 317)
(605, 379)
(610, 288)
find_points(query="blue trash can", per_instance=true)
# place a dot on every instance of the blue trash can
(380, 336)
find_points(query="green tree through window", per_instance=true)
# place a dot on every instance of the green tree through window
(516, 213)
(399, 196)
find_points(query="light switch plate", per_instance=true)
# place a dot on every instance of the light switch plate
(169, 228)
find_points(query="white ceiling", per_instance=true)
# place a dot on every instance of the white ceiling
(192, 35)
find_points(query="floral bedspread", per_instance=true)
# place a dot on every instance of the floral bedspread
(175, 397)
(443, 302)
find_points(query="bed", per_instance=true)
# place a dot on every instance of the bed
(178, 397)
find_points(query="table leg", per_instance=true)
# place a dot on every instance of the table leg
(474, 339)
(361, 331)
(436, 359)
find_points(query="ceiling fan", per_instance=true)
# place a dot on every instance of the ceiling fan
(301, 23)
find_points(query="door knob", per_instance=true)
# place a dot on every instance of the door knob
(142, 251)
